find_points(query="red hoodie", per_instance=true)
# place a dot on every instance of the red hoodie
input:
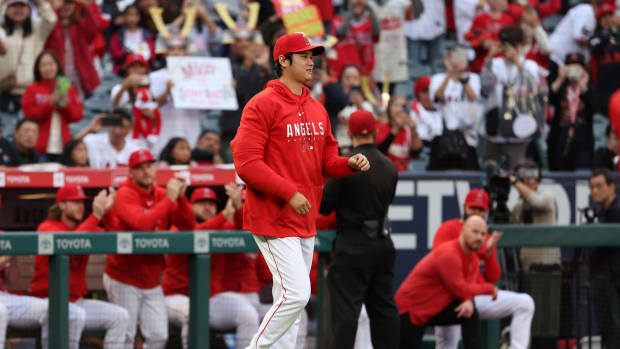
(283, 145)
(451, 230)
(39, 285)
(138, 210)
(441, 277)
(36, 105)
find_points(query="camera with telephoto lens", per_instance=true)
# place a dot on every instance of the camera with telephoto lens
(498, 186)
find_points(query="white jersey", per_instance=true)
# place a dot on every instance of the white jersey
(429, 121)
(391, 50)
(102, 154)
(430, 24)
(578, 24)
(464, 13)
(175, 122)
(454, 103)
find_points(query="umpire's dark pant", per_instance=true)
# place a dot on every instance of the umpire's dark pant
(362, 272)
(606, 299)
(411, 335)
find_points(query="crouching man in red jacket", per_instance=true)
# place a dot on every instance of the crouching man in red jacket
(440, 289)
(134, 281)
(284, 150)
(89, 314)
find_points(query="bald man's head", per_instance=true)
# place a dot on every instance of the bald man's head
(474, 233)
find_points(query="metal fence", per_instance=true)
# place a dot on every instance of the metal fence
(198, 245)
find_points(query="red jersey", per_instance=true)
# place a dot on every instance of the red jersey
(356, 47)
(283, 145)
(138, 210)
(482, 28)
(400, 149)
(450, 230)
(39, 285)
(36, 105)
(444, 275)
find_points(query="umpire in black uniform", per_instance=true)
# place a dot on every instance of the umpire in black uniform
(362, 263)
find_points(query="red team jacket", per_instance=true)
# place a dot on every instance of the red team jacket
(284, 144)
(137, 210)
(451, 230)
(39, 285)
(36, 105)
(444, 275)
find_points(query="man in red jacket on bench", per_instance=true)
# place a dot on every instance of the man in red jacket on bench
(284, 150)
(440, 289)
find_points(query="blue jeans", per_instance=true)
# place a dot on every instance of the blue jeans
(425, 57)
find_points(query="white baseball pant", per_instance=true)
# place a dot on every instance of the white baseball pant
(289, 260)
(107, 316)
(30, 312)
(145, 305)
(519, 305)
(227, 310)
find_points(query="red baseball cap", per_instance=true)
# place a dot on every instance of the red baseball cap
(294, 43)
(362, 122)
(140, 156)
(477, 198)
(605, 9)
(70, 192)
(422, 84)
(134, 58)
(203, 193)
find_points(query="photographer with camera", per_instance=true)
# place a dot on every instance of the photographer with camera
(605, 262)
(112, 148)
(535, 206)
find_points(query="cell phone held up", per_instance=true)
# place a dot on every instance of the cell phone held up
(112, 120)
(63, 84)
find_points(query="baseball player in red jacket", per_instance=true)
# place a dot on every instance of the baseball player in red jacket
(440, 289)
(520, 306)
(93, 314)
(284, 150)
(133, 281)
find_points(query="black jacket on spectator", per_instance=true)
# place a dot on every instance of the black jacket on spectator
(335, 100)
(602, 258)
(605, 59)
(604, 157)
(8, 154)
(570, 153)
(30, 156)
(249, 83)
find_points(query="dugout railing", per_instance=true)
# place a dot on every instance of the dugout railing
(198, 245)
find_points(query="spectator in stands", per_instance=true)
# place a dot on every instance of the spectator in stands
(89, 314)
(176, 152)
(337, 92)
(440, 289)
(112, 148)
(535, 206)
(75, 154)
(175, 122)
(358, 31)
(134, 281)
(424, 38)
(571, 139)
(131, 38)
(398, 139)
(205, 35)
(356, 102)
(605, 46)
(75, 30)
(514, 85)
(25, 37)
(8, 154)
(607, 156)
(464, 13)
(208, 148)
(391, 49)
(456, 93)
(251, 67)
(572, 34)
(537, 44)
(123, 95)
(484, 31)
(545, 8)
(605, 262)
(53, 105)
(424, 113)
(25, 138)
(519, 306)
